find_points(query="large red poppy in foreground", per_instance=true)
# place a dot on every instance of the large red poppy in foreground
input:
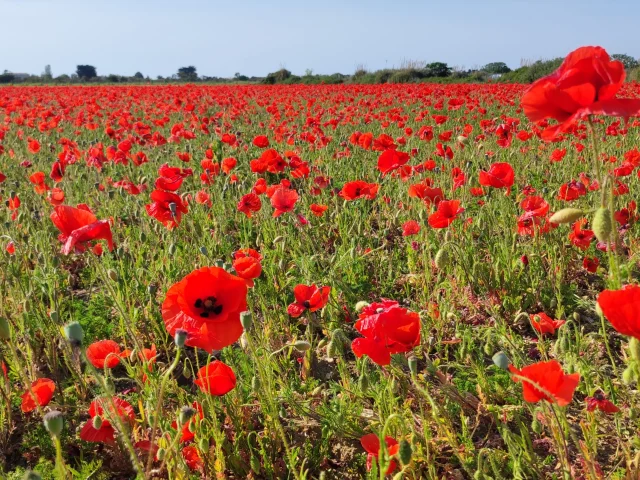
(622, 309)
(585, 84)
(546, 381)
(207, 304)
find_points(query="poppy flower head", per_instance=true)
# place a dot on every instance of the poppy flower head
(446, 212)
(308, 297)
(207, 304)
(371, 445)
(359, 189)
(104, 353)
(216, 379)
(41, 392)
(544, 324)
(622, 309)
(546, 381)
(499, 175)
(283, 200)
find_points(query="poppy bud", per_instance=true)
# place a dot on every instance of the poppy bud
(97, 422)
(413, 365)
(442, 259)
(172, 249)
(113, 275)
(462, 139)
(246, 319)
(566, 215)
(74, 333)
(255, 464)
(111, 194)
(186, 370)
(301, 345)
(536, 426)
(5, 330)
(279, 239)
(180, 337)
(31, 475)
(192, 427)
(405, 452)
(219, 263)
(360, 305)
(602, 225)
(500, 360)
(53, 422)
(53, 315)
(142, 237)
(255, 384)
(634, 348)
(629, 375)
(244, 343)
(204, 251)
(333, 349)
(363, 383)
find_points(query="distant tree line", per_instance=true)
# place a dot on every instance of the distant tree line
(409, 72)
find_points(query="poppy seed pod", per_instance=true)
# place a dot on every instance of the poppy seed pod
(634, 348)
(172, 249)
(566, 215)
(405, 452)
(629, 375)
(602, 225)
(74, 333)
(113, 275)
(54, 422)
(413, 365)
(160, 454)
(203, 444)
(5, 330)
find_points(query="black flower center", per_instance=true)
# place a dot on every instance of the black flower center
(209, 307)
(306, 304)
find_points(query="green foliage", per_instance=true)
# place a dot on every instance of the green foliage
(7, 78)
(188, 74)
(531, 73)
(496, 68)
(627, 60)
(86, 72)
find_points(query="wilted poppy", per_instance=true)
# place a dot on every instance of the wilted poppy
(207, 304)
(216, 379)
(192, 457)
(41, 391)
(546, 381)
(308, 297)
(600, 402)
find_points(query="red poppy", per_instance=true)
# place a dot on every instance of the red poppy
(167, 208)
(580, 237)
(371, 445)
(10, 248)
(318, 210)
(56, 197)
(499, 175)
(104, 409)
(410, 227)
(572, 190)
(585, 84)
(216, 379)
(590, 264)
(391, 160)
(544, 324)
(445, 214)
(387, 329)
(38, 180)
(283, 200)
(546, 381)
(424, 192)
(192, 457)
(249, 203)
(247, 267)
(104, 353)
(308, 297)
(359, 189)
(261, 141)
(622, 309)
(33, 146)
(535, 206)
(41, 392)
(78, 227)
(599, 402)
(207, 304)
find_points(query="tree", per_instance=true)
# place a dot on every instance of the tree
(188, 74)
(139, 76)
(86, 72)
(47, 75)
(627, 60)
(7, 77)
(496, 68)
(438, 69)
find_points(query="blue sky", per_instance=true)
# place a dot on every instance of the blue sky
(156, 37)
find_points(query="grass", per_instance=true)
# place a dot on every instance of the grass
(301, 414)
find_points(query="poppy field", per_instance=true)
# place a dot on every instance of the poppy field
(411, 281)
